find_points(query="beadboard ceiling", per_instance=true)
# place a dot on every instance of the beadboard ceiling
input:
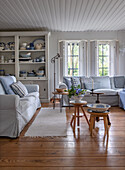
(62, 15)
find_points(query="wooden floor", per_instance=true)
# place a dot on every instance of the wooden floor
(77, 151)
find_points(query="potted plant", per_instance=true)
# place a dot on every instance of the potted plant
(76, 93)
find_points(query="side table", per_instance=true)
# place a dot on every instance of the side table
(76, 114)
(98, 101)
(60, 95)
(97, 93)
(93, 115)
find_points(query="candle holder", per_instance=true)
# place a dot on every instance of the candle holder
(92, 91)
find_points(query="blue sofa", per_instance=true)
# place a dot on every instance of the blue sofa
(110, 86)
(15, 111)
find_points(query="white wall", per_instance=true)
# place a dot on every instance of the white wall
(56, 36)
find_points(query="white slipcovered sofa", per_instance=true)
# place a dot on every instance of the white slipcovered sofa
(16, 111)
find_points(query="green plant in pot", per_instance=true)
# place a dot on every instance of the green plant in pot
(76, 93)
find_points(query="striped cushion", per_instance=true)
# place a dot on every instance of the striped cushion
(19, 89)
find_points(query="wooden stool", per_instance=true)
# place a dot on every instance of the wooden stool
(93, 115)
(76, 113)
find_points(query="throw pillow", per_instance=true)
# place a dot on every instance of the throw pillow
(19, 89)
(6, 81)
(76, 81)
(67, 81)
(119, 81)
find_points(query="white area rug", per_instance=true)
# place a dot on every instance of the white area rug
(48, 122)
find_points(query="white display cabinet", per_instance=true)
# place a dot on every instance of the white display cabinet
(28, 59)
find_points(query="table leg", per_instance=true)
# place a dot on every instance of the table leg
(109, 123)
(75, 120)
(97, 101)
(92, 119)
(78, 116)
(85, 116)
(60, 103)
(106, 126)
(54, 101)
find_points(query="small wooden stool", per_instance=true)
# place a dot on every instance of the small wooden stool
(76, 114)
(93, 115)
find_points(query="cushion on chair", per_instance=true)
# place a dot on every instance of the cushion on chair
(19, 89)
(6, 81)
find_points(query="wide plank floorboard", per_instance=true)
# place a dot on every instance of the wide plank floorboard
(76, 151)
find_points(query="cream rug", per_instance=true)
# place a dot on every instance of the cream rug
(48, 122)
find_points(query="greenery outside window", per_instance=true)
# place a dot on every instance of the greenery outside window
(103, 58)
(73, 59)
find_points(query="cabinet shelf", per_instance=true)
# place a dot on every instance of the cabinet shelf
(7, 63)
(32, 78)
(31, 50)
(5, 51)
(32, 63)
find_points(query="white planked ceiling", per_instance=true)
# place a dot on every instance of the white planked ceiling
(62, 15)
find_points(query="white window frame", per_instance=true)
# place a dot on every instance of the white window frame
(103, 42)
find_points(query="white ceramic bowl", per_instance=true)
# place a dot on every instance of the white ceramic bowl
(99, 107)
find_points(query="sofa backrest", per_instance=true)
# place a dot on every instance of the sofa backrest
(100, 82)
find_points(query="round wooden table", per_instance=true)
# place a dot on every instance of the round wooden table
(97, 93)
(76, 114)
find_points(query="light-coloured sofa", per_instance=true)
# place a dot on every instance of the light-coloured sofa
(110, 86)
(16, 112)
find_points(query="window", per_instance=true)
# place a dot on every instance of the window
(73, 59)
(103, 58)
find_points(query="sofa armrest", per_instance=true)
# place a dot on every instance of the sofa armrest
(63, 86)
(32, 87)
(9, 102)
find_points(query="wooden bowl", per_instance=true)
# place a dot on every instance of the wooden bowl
(60, 90)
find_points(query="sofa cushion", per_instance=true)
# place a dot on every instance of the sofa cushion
(87, 81)
(89, 84)
(67, 81)
(35, 94)
(76, 81)
(109, 92)
(19, 89)
(119, 81)
(118, 90)
(102, 81)
(6, 81)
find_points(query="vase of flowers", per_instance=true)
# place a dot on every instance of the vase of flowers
(76, 93)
